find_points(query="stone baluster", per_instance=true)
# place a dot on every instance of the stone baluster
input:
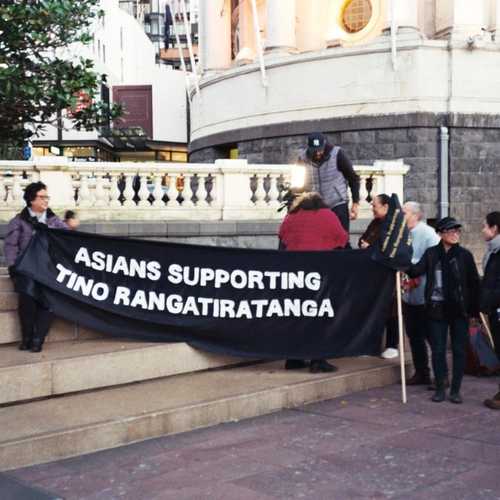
(187, 192)
(3, 191)
(202, 193)
(84, 194)
(144, 192)
(172, 192)
(158, 191)
(17, 191)
(216, 193)
(129, 192)
(274, 191)
(101, 198)
(114, 191)
(260, 192)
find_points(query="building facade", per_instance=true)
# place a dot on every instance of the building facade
(386, 79)
(154, 124)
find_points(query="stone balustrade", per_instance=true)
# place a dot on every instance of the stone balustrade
(225, 190)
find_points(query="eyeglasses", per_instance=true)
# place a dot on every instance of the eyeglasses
(45, 198)
(454, 230)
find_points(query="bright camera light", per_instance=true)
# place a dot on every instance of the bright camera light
(298, 176)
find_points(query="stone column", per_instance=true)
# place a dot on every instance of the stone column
(280, 31)
(460, 18)
(247, 49)
(312, 24)
(215, 35)
(495, 21)
(405, 13)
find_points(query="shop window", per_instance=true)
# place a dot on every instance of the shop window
(179, 156)
(356, 15)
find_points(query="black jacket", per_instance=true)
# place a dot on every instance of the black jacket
(459, 273)
(490, 286)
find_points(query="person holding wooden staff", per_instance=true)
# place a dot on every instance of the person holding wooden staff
(490, 287)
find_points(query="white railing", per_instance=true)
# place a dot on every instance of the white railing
(226, 190)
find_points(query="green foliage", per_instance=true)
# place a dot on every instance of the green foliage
(39, 75)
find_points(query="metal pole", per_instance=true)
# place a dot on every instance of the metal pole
(258, 42)
(444, 202)
(181, 55)
(401, 337)
(394, 30)
(187, 27)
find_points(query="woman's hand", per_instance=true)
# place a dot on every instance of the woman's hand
(363, 244)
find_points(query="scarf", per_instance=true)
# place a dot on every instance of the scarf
(493, 246)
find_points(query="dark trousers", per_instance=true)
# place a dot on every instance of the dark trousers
(342, 212)
(392, 333)
(417, 329)
(458, 328)
(35, 320)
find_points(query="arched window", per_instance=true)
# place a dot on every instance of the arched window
(356, 15)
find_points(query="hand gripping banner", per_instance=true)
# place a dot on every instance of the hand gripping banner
(256, 303)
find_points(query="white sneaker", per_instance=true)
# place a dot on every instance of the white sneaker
(390, 353)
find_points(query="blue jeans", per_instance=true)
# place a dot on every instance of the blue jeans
(438, 330)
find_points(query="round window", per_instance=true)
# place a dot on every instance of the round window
(356, 15)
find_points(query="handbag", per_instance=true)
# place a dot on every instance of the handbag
(481, 358)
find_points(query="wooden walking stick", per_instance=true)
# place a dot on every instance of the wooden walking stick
(401, 338)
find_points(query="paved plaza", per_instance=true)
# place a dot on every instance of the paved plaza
(365, 445)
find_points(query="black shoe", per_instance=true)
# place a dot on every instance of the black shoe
(440, 394)
(295, 364)
(36, 346)
(419, 379)
(25, 345)
(456, 398)
(322, 366)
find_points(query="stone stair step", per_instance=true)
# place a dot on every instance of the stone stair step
(10, 330)
(72, 366)
(56, 428)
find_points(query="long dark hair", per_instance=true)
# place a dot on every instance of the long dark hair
(308, 201)
(493, 219)
(31, 191)
(383, 198)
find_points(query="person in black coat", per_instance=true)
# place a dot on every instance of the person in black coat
(490, 287)
(451, 301)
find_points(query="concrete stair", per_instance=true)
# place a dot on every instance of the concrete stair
(86, 392)
(56, 428)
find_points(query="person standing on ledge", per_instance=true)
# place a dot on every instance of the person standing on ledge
(329, 172)
(35, 319)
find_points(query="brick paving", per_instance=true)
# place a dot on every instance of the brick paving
(365, 445)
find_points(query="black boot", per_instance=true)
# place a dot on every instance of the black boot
(455, 392)
(25, 344)
(37, 344)
(295, 364)
(440, 394)
(321, 366)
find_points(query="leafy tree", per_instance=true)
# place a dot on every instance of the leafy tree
(38, 79)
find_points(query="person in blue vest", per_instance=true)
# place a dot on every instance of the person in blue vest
(329, 172)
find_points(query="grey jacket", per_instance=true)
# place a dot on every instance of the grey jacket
(20, 230)
(331, 177)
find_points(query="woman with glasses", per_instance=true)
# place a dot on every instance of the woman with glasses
(35, 319)
(451, 301)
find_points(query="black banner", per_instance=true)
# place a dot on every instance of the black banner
(258, 303)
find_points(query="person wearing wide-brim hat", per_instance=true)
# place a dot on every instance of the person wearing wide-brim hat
(451, 301)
